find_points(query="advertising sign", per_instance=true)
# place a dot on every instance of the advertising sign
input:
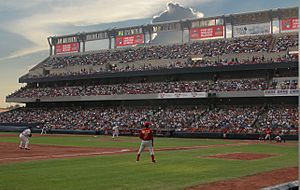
(207, 32)
(251, 29)
(182, 95)
(289, 24)
(65, 48)
(129, 40)
(282, 92)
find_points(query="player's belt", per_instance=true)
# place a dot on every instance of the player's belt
(24, 135)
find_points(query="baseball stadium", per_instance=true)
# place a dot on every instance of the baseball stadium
(214, 99)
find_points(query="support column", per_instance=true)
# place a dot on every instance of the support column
(271, 21)
(51, 50)
(83, 46)
(279, 20)
(224, 25)
(225, 31)
(50, 45)
(279, 23)
(115, 42)
(109, 43)
(189, 35)
(150, 37)
(54, 50)
(271, 26)
(182, 33)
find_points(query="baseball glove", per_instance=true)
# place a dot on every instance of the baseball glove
(30, 135)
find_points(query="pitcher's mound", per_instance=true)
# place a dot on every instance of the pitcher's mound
(241, 156)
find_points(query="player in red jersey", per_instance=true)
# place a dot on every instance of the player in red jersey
(268, 134)
(146, 135)
(225, 130)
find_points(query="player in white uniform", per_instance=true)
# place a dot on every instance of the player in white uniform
(44, 130)
(24, 139)
(115, 131)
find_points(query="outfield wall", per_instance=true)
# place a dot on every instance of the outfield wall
(229, 135)
(164, 133)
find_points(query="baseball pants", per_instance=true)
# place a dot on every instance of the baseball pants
(146, 144)
(24, 141)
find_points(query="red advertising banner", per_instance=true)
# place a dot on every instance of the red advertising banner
(289, 24)
(129, 40)
(69, 47)
(208, 32)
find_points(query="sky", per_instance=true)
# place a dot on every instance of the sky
(26, 24)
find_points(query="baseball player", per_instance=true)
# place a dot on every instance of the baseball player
(277, 139)
(225, 130)
(44, 130)
(280, 137)
(146, 135)
(268, 134)
(24, 138)
(115, 131)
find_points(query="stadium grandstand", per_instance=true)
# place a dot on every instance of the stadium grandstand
(236, 72)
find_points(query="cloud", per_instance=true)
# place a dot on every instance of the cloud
(36, 20)
(11, 42)
(23, 52)
(176, 11)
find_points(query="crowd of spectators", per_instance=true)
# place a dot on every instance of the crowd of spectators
(143, 88)
(280, 118)
(157, 87)
(188, 63)
(206, 48)
(284, 42)
(91, 118)
(235, 61)
(285, 83)
(234, 118)
(237, 119)
(210, 48)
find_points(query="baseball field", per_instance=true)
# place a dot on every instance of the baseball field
(68, 162)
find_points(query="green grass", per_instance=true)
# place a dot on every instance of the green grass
(107, 141)
(174, 170)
